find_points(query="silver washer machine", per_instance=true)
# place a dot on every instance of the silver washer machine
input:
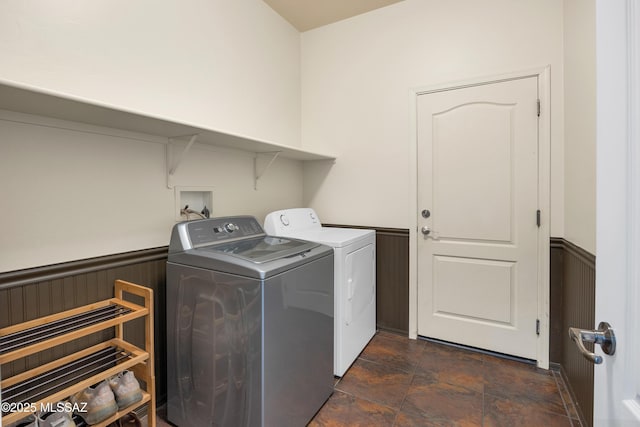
(249, 326)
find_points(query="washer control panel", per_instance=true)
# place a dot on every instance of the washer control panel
(218, 230)
(286, 222)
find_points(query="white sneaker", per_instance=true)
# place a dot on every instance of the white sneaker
(126, 388)
(100, 403)
(56, 419)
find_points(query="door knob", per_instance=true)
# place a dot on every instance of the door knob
(603, 335)
(426, 230)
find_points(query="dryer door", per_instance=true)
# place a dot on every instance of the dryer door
(359, 322)
(361, 284)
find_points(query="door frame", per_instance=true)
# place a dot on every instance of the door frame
(544, 191)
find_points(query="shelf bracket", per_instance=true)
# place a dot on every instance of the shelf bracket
(174, 164)
(257, 175)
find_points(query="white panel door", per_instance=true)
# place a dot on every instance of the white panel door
(478, 179)
(617, 379)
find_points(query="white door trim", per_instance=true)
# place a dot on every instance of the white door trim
(544, 174)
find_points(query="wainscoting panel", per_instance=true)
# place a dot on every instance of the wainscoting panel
(392, 277)
(392, 272)
(28, 294)
(556, 324)
(573, 305)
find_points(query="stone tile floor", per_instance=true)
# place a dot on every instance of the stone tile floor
(401, 382)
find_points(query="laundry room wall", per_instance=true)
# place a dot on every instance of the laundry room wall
(356, 79)
(73, 192)
(580, 123)
(229, 65)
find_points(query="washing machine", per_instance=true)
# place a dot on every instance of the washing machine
(249, 326)
(354, 277)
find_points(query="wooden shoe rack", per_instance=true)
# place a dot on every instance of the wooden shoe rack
(48, 384)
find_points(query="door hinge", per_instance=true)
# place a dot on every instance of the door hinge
(538, 108)
(537, 326)
(538, 213)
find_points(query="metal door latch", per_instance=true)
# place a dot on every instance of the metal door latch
(603, 335)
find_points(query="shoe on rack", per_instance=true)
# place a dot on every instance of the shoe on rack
(98, 403)
(56, 419)
(129, 420)
(30, 421)
(126, 389)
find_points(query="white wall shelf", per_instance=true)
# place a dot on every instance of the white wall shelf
(32, 100)
(258, 174)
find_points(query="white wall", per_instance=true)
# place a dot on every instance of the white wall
(73, 192)
(235, 66)
(580, 123)
(356, 77)
(230, 65)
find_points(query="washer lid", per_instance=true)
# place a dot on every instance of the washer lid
(262, 249)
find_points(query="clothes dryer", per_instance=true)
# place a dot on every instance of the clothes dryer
(354, 277)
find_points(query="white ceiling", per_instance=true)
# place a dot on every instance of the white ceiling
(308, 14)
